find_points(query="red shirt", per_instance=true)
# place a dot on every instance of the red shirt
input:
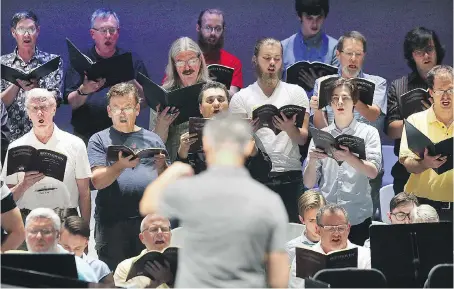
(224, 58)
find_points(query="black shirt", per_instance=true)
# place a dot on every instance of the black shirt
(92, 116)
(397, 88)
(7, 204)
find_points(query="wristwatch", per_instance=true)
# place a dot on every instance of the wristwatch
(80, 92)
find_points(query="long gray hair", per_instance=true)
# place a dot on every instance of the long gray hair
(179, 45)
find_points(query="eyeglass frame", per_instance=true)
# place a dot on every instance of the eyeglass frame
(104, 31)
(26, 30)
(216, 30)
(336, 228)
(336, 102)
(351, 54)
(42, 108)
(159, 228)
(406, 216)
(118, 111)
(182, 63)
(44, 232)
(421, 52)
(437, 92)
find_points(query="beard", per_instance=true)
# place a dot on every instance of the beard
(268, 78)
(208, 47)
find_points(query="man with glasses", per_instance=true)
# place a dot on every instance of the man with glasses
(211, 29)
(351, 52)
(436, 123)
(346, 184)
(422, 51)
(333, 226)
(156, 235)
(86, 97)
(33, 189)
(121, 183)
(26, 56)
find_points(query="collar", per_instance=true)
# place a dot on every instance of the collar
(432, 117)
(350, 127)
(16, 55)
(360, 74)
(95, 54)
(214, 55)
(53, 136)
(415, 77)
(228, 170)
(305, 240)
(313, 41)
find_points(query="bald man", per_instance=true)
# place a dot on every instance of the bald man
(155, 234)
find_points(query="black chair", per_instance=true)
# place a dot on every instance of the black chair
(352, 278)
(440, 276)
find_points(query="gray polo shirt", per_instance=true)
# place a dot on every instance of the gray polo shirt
(344, 185)
(232, 221)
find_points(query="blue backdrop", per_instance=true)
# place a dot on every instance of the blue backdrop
(149, 27)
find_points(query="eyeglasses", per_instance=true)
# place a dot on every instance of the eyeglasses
(351, 54)
(332, 229)
(401, 216)
(335, 99)
(155, 230)
(421, 52)
(191, 62)
(117, 111)
(217, 30)
(111, 30)
(42, 108)
(440, 92)
(44, 232)
(22, 30)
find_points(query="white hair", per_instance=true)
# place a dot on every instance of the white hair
(147, 218)
(44, 213)
(228, 132)
(40, 94)
(424, 214)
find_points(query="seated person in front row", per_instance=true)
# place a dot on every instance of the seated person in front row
(42, 232)
(74, 236)
(155, 234)
(424, 214)
(308, 205)
(400, 208)
(348, 183)
(333, 226)
(213, 99)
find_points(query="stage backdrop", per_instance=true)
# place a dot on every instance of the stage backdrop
(148, 27)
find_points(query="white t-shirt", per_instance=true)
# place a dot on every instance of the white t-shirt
(284, 152)
(49, 192)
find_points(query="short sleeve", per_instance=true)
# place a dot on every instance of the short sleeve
(237, 79)
(237, 104)
(279, 221)
(404, 150)
(82, 164)
(373, 147)
(172, 200)
(96, 152)
(393, 110)
(300, 97)
(7, 202)
(380, 94)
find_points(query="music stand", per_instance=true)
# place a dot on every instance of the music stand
(55, 264)
(406, 253)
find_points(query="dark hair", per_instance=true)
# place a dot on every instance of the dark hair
(437, 70)
(351, 34)
(263, 41)
(64, 213)
(75, 225)
(401, 199)
(312, 7)
(354, 92)
(211, 11)
(24, 15)
(419, 38)
(123, 89)
(212, 84)
(332, 208)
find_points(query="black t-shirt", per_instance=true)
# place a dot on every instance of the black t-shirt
(92, 116)
(7, 204)
(121, 199)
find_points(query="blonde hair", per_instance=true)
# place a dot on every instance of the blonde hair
(310, 199)
(424, 214)
(183, 44)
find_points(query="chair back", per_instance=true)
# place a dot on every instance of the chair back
(386, 194)
(440, 276)
(178, 236)
(294, 230)
(389, 159)
(352, 278)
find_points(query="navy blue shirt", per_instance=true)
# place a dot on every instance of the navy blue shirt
(92, 116)
(121, 199)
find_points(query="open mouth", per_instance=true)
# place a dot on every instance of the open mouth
(107, 43)
(352, 66)
(446, 103)
(159, 242)
(27, 41)
(340, 109)
(216, 111)
(41, 121)
(271, 69)
(188, 72)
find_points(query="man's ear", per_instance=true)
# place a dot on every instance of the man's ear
(301, 219)
(337, 54)
(254, 59)
(197, 27)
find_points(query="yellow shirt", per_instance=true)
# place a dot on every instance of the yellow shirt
(428, 184)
